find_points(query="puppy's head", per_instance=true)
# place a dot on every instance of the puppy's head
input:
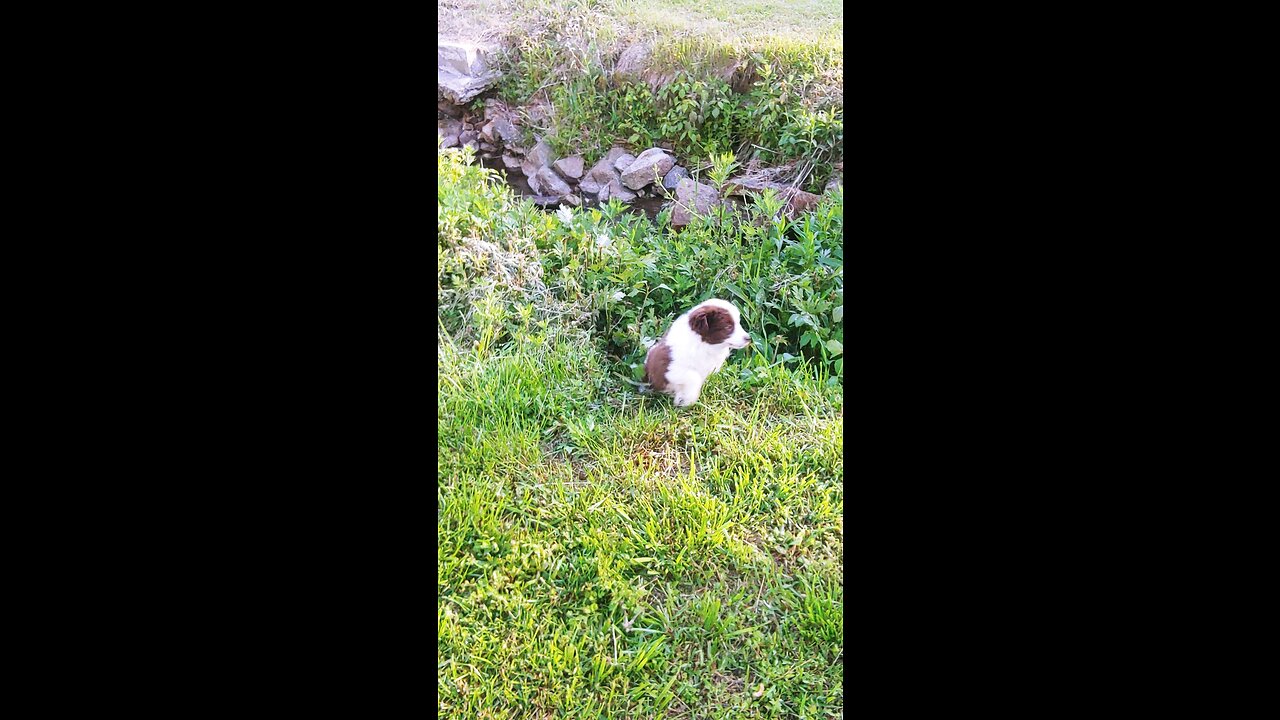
(719, 323)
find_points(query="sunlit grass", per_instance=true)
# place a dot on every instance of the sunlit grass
(600, 553)
(805, 36)
(620, 561)
(743, 23)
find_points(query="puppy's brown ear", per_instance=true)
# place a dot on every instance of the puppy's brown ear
(699, 322)
(714, 324)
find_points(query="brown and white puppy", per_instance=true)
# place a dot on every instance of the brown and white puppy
(697, 345)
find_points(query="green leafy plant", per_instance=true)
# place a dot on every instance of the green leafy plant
(722, 166)
(786, 277)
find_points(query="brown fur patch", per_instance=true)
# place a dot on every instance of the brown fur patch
(656, 364)
(714, 324)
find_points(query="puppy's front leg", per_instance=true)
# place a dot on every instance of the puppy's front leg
(688, 391)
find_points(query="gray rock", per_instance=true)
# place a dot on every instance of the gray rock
(602, 173)
(570, 167)
(447, 107)
(471, 145)
(573, 200)
(798, 201)
(486, 132)
(551, 183)
(623, 162)
(461, 89)
(616, 190)
(650, 165)
(505, 129)
(453, 57)
(692, 197)
(603, 195)
(511, 162)
(599, 178)
(467, 136)
(545, 200)
(605, 175)
(674, 177)
(488, 147)
(534, 185)
(463, 71)
(835, 182)
(528, 168)
(449, 141)
(746, 185)
(609, 159)
(632, 62)
(540, 155)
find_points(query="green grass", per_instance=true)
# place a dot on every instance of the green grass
(602, 554)
(822, 20)
(684, 31)
(804, 35)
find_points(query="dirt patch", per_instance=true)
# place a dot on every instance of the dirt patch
(555, 455)
(660, 452)
(730, 683)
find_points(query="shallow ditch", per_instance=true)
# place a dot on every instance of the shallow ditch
(648, 206)
(471, 115)
(493, 134)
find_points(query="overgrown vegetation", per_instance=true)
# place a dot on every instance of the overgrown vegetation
(602, 554)
(628, 277)
(787, 278)
(696, 118)
(787, 106)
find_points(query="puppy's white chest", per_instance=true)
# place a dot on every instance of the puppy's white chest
(700, 360)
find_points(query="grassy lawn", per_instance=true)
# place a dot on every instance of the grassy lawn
(795, 20)
(806, 35)
(601, 553)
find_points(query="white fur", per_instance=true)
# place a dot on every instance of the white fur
(693, 360)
